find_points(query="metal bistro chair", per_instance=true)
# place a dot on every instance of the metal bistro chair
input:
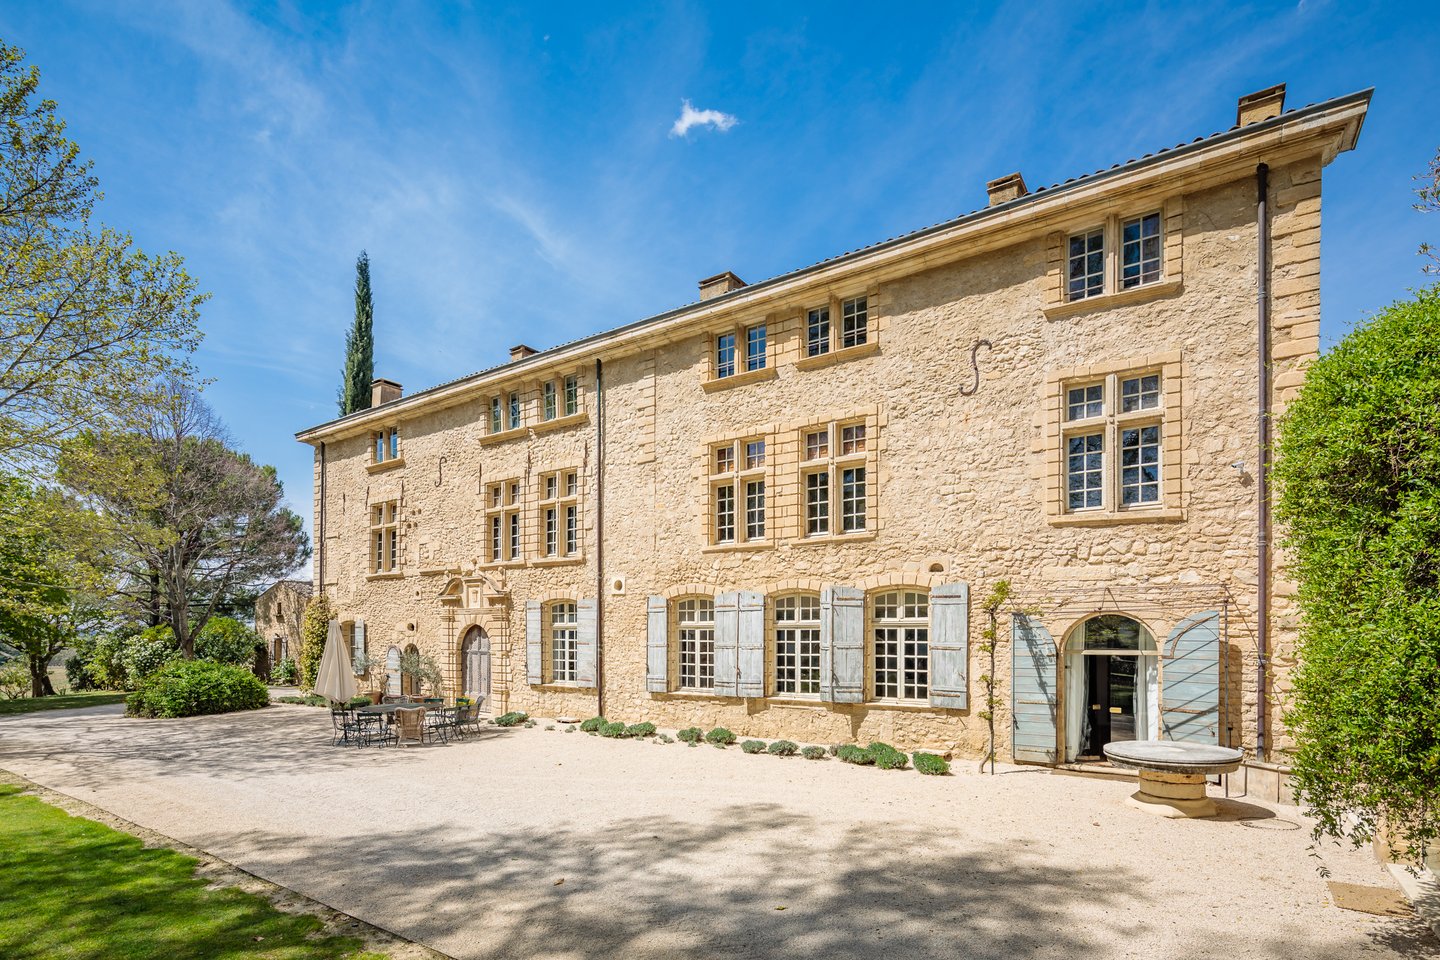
(410, 725)
(438, 721)
(370, 728)
(345, 726)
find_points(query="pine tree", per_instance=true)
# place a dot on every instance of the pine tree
(359, 369)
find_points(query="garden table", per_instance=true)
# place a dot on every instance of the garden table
(1173, 774)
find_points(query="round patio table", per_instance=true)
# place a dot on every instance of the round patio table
(1172, 774)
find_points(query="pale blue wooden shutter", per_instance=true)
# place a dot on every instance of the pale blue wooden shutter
(950, 646)
(1032, 681)
(1190, 695)
(752, 644)
(392, 671)
(359, 651)
(842, 645)
(534, 670)
(585, 643)
(657, 646)
(727, 645)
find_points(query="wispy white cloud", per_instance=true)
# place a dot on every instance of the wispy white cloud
(690, 118)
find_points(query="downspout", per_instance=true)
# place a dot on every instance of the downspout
(1262, 593)
(599, 540)
(320, 532)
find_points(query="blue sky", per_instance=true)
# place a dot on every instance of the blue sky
(515, 175)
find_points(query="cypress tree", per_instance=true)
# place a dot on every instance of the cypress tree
(359, 369)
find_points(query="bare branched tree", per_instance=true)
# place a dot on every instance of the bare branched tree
(1429, 194)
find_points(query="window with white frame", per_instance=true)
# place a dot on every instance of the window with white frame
(384, 537)
(833, 473)
(725, 355)
(817, 331)
(900, 655)
(1140, 251)
(1122, 412)
(755, 347)
(572, 395)
(502, 521)
(386, 445)
(512, 411)
(564, 651)
(548, 406)
(797, 645)
(1085, 265)
(559, 513)
(737, 483)
(854, 322)
(695, 641)
(497, 415)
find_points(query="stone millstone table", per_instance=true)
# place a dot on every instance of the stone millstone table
(1172, 774)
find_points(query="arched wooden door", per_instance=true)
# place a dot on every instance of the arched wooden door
(475, 665)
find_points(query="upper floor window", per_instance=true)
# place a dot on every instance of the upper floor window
(512, 411)
(1118, 255)
(1085, 273)
(387, 445)
(560, 513)
(755, 350)
(564, 648)
(1096, 425)
(797, 645)
(854, 322)
(497, 422)
(822, 337)
(572, 395)
(384, 537)
(1140, 251)
(817, 332)
(725, 355)
(548, 406)
(833, 475)
(502, 521)
(900, 654)
(737, 481)
(695, 642)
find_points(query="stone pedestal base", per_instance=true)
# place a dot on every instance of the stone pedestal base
(1173, 795)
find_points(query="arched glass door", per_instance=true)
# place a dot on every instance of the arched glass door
(1113, 675)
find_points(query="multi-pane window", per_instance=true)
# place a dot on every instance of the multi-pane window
(797, 645)
(900, 657)
(512, 411)
(725, 355)
(817, 332)
(572, 395)
(822, 336)
(559, 513)
(564, 652)
(854, 322)
(755, 340)
(384, 537)
(737, 470)
(547, 401)
(1085, 271)
(695, 624)
(1140, 251)
(497, 421)
(1095, 425)
(387, 445)
(833, 473)
(502, 509)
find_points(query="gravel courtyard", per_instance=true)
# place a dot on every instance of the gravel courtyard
(530, 843)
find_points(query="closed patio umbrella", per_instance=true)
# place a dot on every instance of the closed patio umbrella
(335, 679)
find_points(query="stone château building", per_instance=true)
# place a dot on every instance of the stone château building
(782, 508)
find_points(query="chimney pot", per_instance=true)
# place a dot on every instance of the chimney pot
(1260, 105)
(384, 391)
(1007, 188)
(719, 284)
(520, 351)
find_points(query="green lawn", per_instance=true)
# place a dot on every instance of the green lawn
(65, 701)
(76, 890)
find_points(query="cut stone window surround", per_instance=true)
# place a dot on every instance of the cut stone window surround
(1141, 253)
(384, 537)
(742, 353)
(504, 508)
(837, 474)
(738, 491)
(557, 496)
(841, 327)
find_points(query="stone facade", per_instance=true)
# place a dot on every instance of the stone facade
(970, 346)
(278, 614)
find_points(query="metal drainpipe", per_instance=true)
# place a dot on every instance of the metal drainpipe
(1262, 631)
(599, 541)
(320, 533)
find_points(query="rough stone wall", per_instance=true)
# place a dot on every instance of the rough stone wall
(962, 485)
(278, 613)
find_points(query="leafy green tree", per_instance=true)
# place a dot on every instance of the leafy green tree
(1359, 481)
(227, 640)
(88, 323)
(359, 369)
(314, 630)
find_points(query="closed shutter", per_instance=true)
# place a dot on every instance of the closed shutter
(585, 643)
(842, 645)
(1190, 696)
(727, 645)
(1032, 682)
(950, 646)
(392, 671)
(752, 644)
(657, 646)
(534, 673)
(359, 664)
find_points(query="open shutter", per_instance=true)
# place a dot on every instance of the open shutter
(657, 647)
(1032, 691)
(359, 652)
(727, 645)
(752, 644)
(842, 645)
(950, 646)
(1190, 696)
(533, 645)
(585, 643)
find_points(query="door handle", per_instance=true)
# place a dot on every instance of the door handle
(1094, 706)
(1116, 710)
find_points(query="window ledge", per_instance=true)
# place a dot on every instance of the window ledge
(502, 564)
(389, 575)
(739, 379)
(834, 538)
(913, 705)
(560, 423)
(746, 545)
(1117, 518)
(512, 434)
(557, 561)
(561, 686)
(1102, 301)
(385, 465)
(867, 349)
(690, 695)
(791, 700)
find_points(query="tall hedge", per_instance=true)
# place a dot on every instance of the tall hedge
(313, 630)
(1358, 476)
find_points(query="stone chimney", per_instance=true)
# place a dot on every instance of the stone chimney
(1260, 105)
(520, 352)
(718, 284)
(1007, 188)
(383, 391)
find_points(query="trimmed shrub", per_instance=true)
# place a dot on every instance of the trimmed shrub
(593, 725)
(753, 746)
(720, 737)
(931, 764)
(784, 748)
(849, 753)
(614, 731)
(512, 719)
(813, 753)
(226, 640)
(187, 688)
(146, 652)
(14, 680)
(664, 738)
(835, 749)
(887, 757)
(640, 731)
(690, 735)
(570, 728)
